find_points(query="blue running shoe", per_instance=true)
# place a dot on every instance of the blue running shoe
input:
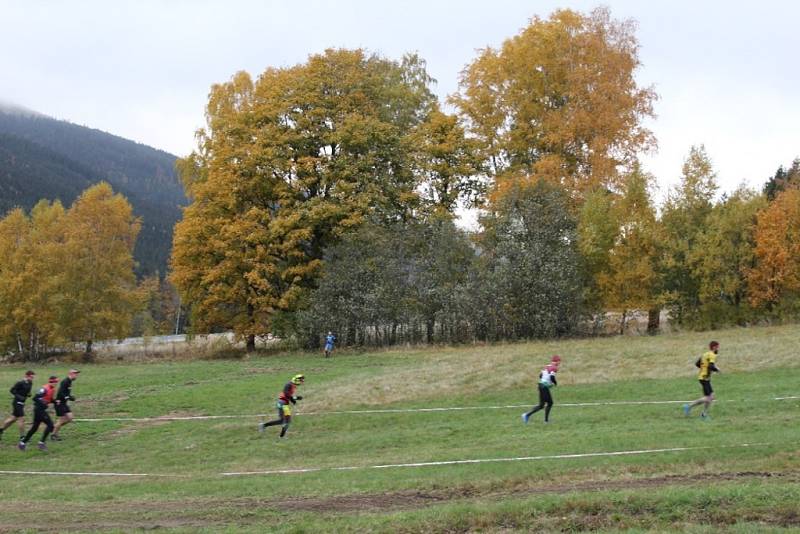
(21, 445)
(686, 410)
(525, 418)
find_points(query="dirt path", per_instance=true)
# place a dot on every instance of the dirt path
(194, 513)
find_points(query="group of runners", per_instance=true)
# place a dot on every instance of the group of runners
(706, 363)
(547, 380)
(55, 392)
(60, 395)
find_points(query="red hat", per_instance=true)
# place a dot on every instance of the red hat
(556, 358)
(53, 379)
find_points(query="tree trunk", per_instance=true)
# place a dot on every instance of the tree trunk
(653, 321)
(429, 325)
(88, 347)
(622, 323)
(251, 343)
(19, 345)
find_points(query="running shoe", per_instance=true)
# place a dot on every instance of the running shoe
(21, 445)
(55, 437)
(686, 410)
(705, 417)
(525, 417)
(261, 427)
(42, 446)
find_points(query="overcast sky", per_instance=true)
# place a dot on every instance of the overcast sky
(726, 72)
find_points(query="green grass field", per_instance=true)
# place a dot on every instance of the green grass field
(739, 472)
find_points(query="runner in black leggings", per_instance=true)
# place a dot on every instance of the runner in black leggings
(41, 401)
(547, 380)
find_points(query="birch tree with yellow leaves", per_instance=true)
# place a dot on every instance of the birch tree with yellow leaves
(559, 101)
(97, 294)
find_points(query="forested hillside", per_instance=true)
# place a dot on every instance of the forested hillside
(42, 157)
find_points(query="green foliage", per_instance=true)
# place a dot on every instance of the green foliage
(683, 219)
(630, 280)
(597, 231)
(530, 266)
(782, 179)
(392, 284)
(724, 255)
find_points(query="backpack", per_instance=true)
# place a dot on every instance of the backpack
(698, 363)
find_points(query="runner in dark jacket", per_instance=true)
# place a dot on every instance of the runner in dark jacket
(64, 395)
(21, 391)
(41, 401)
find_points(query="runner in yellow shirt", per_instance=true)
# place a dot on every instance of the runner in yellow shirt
(707, 365)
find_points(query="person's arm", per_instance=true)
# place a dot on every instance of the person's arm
(713, 368)
(553, 379)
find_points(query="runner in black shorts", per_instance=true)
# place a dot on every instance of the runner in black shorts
(286, 398)
(21, 392)
(64, 395)
(707, 365)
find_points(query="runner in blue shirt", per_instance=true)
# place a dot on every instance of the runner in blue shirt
(330, 339)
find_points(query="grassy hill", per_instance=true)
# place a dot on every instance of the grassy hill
(427, 441)
(41, 157)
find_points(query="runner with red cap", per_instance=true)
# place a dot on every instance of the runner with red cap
(547, 380)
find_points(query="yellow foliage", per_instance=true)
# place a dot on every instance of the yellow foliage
(288, 163)
(559, 101)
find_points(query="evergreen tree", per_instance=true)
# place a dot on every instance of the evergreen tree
(531, 263)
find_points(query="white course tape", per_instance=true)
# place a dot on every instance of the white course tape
(397, 410)
(387, 466)
(486, 460)
(88, 474)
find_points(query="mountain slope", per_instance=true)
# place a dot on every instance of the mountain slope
(42, 157)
